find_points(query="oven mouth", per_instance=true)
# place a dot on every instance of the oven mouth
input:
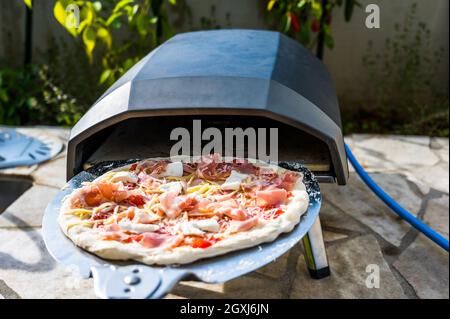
(146, 137)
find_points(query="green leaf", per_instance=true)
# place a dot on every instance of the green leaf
(173, 2)
(166, 29)
(113, 18)
(128, 64)
(60, 13)
(316, 7)
(88, 18)
(97, 5)
(271, 4)
(287, 25)
(301, 4)
(105, 75)
(305, 34)
(89, 41)
(31, 102)
(131, 11)
(105, 36)
(4, 96)
(121, 4)
(28, 3)
(116, 24)
(135, 9)
(142, 24)
(348, 9)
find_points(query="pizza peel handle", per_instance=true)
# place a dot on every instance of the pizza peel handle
(134, 281)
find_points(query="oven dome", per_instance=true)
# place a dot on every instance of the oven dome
(228, 72)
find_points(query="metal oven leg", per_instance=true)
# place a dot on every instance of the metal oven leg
(315, 252)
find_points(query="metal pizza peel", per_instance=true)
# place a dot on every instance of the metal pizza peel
(135, 280)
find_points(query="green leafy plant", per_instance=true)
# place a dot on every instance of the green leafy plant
(307, 20)
(144, 23)
(55, 104)
(115, 33)
(18, 95)
(402, 77)
(30, 96)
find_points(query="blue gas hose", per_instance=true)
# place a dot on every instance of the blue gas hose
(403, 213)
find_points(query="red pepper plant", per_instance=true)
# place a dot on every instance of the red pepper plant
(308, 21)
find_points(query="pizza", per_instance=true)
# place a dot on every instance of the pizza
(161, 211)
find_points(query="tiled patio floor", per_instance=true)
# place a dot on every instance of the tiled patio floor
(359, 231)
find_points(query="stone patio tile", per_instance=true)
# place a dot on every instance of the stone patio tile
(197, 290)
(276, 268)
(412, 139)
(19, 171)
(436, 177)
(443, 154)
(422, 185)
(348, 139)
(439, 143)
(27, 270)
(348, 262)
(437, 214)
(382, 153)
(29, 208)
(331, 217)
(249, 286)
(52, 173)
(426, 267)
(356, 200)
(62, 132)
(172, 296)
(329, 236)
(194, 289)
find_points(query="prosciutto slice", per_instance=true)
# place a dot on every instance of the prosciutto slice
(153, 168)
(271, 197)
(156, 240)
(240, 226)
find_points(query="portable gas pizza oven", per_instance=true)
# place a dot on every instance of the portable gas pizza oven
(226, 79)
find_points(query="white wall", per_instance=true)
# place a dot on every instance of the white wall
(351, 38)
(344, 61)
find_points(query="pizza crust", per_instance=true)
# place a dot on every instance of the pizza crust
(266, 231)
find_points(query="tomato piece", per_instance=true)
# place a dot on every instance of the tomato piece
(278, 212)
(201, 243)
(133, 167)
(136, 200)
(127, 240)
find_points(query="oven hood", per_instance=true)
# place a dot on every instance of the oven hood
(223, 72)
